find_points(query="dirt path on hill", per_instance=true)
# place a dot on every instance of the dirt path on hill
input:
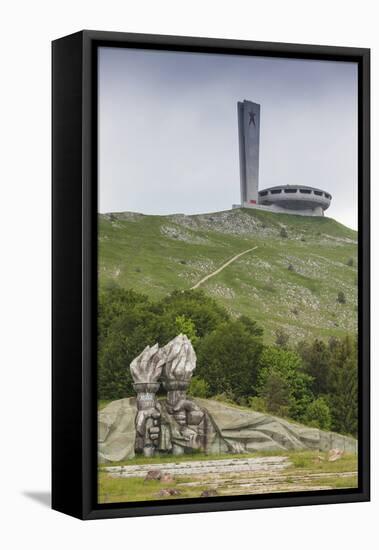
(222, 267)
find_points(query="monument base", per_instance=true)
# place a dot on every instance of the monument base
(318, 211)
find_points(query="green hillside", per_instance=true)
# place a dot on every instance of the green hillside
(290, 281)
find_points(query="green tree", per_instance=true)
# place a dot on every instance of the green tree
(128, 321)
(114, 378)
(283, 384)
(113, 302)
(275, 390)
(228, 359)
(318, 414)
(251, 326)
(127, 336)
(316, 358)
(186, 326)
(205, 313)
(343, 391)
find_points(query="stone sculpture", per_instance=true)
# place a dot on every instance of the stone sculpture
(146, 370)
(177, 424)
(180, 362)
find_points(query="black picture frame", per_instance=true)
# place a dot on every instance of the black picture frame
(74, 272)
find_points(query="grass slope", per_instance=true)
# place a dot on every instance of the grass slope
(287, 282)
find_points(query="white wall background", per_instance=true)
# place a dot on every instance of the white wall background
(27, 29)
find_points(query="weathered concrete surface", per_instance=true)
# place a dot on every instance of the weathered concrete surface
(238, 430)
(204, 467)
(116, 430)
(265, 477)
(259, 432)
(264, 482)
(147, 367)
(242, 476)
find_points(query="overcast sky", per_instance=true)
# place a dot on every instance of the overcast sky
(168, 135)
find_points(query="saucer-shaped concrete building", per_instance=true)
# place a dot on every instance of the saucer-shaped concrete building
(300, 199)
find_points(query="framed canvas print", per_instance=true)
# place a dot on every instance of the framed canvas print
(210, 274)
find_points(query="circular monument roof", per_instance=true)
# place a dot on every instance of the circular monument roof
(295, 197)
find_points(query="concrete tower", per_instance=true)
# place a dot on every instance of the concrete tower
(248, 132)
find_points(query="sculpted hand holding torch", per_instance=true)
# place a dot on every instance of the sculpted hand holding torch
(180, 362)
(146, 370)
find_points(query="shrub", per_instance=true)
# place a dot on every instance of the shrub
(111, 284)
(242, 401)
(283, 233)
(257, 404)
(281, 338)
(225, 397)
(269, 286)
(186, 326)
(198, 387)
(341, 298)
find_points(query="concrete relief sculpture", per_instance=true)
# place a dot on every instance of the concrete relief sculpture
(178, 424)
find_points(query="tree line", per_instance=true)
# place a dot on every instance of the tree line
(313, 382)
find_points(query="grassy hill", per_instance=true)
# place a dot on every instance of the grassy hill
(290, 281)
